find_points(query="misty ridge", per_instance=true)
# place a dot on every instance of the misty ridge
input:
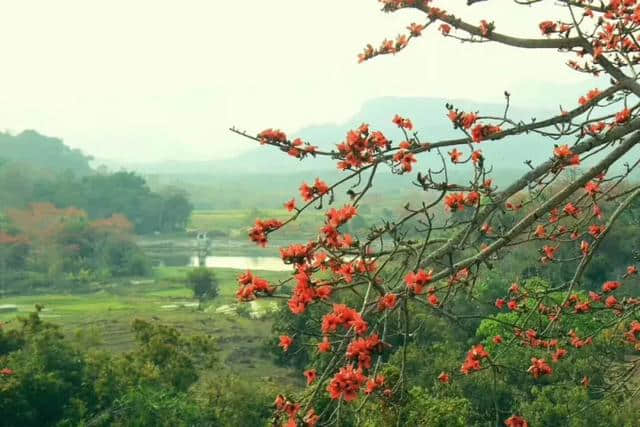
(220, 183)
(429, 115)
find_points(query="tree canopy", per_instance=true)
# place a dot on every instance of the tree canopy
(374, 315)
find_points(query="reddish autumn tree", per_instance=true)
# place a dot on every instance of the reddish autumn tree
(369, 286)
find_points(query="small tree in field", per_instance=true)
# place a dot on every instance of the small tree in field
(365, 301)
(203, 283)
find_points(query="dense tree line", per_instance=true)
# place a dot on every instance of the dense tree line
(100, 195)
(42, 246)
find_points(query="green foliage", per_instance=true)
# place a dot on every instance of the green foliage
(203, 283)
(55, 384)
(100, 195)
(124, 193)
(234, 401)
(151, 406)
(47, 376)
(55, 247)
(425, 409)
(122, 257)
(552, 407)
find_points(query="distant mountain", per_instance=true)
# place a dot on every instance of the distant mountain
(428, 115)
(43, 152)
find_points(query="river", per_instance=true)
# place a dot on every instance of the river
(243, 263)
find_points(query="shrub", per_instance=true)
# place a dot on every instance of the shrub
(203, 283)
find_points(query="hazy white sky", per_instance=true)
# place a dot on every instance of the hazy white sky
(149, 80)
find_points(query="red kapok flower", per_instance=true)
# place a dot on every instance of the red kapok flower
(415, 29)
(473, 360)
(444, 378)
(403, 123)
(324, 346)
(571, 210)
(539, 367)
(346, 384)
(311, 376)
(374, 384)
(610, 286)
(454, 202)
(476, 157)
(559, 354)
(516, 421)
(623, 116)
(433, 300)
(261, 229)
(285, 342)
(311, 418)
(591, 95)
(455, 155)
(387, 302)
(563, 152)
(592, 188)
(290, 205)
(547, 27)
(417, 281)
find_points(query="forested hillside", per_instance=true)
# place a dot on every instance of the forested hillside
(30, 147)
(39, 169)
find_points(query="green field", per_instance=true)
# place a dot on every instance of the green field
(101, 319)
(235, 223)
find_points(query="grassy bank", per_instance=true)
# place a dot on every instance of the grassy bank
(102, 319)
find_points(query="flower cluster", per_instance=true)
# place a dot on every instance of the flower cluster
(550, 27)
(387, 302)
(633, 334)
(261, 229)
(319, 188)
(334, 219)
(402, 123)
(462, 119)
(285, 342)
(481, 132)
(362, 350)
(297, 254)
(360, 147)
(539, 367)
(474, 359)
(306, 292)
(374, 384)
(346, 384)
(455, 202)
(346, 317)
(288, 408)
(591, 95)
(272, 135)
(516, 421)
(417, 281)
(297, 148)
(564, 154)
(7, 372)
(405, 158)
(250, 285)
